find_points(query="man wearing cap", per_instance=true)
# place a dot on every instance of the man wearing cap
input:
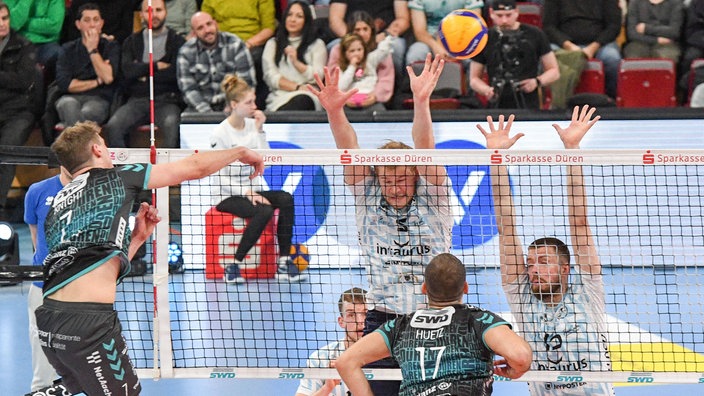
(512, 58)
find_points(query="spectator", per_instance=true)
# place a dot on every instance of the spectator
(558, 308)
(425, 19)
(253, 21)
(135, 69)
(203, 62)
(391, 18)
(693, 35)
(653, 28)
(454, 355)
(37, 203)
(290, 60)
(514, 56)
(17, 77)
(179, 16)
(246, 197)
(353, 311)
(118, 18)
(86, 71)
(362, 24)
(359, 71)
(40, 21)
(590, 26)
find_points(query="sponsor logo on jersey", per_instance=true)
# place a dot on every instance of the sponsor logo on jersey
(432, 319)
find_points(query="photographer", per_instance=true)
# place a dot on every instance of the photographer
(513, 56)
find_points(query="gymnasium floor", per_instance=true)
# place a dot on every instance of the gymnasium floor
(15, 361)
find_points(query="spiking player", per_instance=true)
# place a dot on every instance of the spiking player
(446, 349)
(90, 252)
(403, 212)
(558, 309)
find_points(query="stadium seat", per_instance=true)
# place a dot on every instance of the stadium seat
(530, 13)
(592, 78)
(646, 82)
(697, 63)
(451, 85)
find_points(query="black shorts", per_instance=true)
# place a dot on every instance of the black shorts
(84, 343)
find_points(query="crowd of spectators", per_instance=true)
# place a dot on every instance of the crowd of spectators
(94, 60)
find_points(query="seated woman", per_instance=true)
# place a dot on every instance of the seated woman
(362, 24)
(246, 198)
(290, 60)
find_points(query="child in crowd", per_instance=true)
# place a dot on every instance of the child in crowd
(359, 70)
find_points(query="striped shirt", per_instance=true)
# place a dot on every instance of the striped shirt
(200, 70)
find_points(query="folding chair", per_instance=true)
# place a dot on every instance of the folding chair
(592, 78)
(530, 13)
(646, 82)
(452, 83)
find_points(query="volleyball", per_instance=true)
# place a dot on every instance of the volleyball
(463, 33)
(300, 256)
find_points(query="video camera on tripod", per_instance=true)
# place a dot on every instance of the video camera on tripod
(507, 78)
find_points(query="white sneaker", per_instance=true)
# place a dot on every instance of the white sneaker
(289, 272)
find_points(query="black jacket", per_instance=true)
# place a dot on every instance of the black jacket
(136, 72)
(18, 62)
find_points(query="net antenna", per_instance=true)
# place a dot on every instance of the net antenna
(152, 160)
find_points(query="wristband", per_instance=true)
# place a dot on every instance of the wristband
(94, 51)
(538, 82)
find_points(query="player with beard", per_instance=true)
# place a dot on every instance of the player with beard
(558, 309)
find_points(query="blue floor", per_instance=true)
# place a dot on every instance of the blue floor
(215, 297)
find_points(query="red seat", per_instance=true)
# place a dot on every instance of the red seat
(452, 78)
(592, 78)
(646, 82)
(530, 13)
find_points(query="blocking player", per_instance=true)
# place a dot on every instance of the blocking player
(353, 311)
(403, 212)
(559, 309)
(446, 349)
(89, 245)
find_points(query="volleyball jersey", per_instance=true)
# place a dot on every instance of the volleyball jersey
(87, 224)
(322, 359)
(570, 336)
(442, 351)
(398, 244)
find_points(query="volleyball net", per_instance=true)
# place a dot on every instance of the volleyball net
(645, 211)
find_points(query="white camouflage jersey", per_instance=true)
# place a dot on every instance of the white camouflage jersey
(570, 336)
(322, 359)
(398, 244)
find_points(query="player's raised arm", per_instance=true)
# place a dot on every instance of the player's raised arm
(517, 354)
(202, 164)
(423, 86)
(510, 250)
(333, 101)
(582, 239)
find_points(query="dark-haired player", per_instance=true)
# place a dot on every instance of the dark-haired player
(558, 309)
(446, 349)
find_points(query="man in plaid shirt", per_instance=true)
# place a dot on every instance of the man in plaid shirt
(204, 60)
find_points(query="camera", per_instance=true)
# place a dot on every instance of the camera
(508, 58)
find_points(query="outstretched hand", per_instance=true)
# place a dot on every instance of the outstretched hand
(498, 137)
(145, 220)
(581, 122)
(329, 94)
(424, 84)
